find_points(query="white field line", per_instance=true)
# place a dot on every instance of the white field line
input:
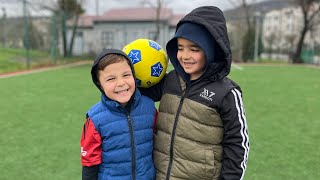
(277, 65)
(3, 76)
(236, 66)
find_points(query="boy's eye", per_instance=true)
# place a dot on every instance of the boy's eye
(109, 79)
(195, 50)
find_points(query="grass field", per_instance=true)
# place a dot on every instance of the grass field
(43, 113)
(15, 59)
(282, 106)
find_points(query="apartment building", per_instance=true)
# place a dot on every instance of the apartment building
(282, 29)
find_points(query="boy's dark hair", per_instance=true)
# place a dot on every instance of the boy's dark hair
(107, 60)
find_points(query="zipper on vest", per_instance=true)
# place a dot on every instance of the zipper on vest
(173, 137)
(133, 155)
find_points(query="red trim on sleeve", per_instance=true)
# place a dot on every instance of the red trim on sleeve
(91, 151)
(155, 121)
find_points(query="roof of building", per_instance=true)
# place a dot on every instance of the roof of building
(135, 14)
(175, 19)
(86, 20)
(130, 15)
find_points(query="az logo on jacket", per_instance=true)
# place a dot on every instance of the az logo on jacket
(206, 95)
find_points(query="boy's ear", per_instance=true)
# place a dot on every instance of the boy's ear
(98, 84)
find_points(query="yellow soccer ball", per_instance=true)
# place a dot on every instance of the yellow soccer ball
(149, 61)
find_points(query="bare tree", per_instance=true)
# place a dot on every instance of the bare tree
(76, 11)
(244, 5)
(290, 39)
(249, 30)
(270, 39)
(235, 31)
(66, 9)
(158, 6)
(69, 9)
(310, 9)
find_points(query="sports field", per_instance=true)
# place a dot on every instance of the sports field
(42, 115)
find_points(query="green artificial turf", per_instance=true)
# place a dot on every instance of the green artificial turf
(42, 115)
(282, 106)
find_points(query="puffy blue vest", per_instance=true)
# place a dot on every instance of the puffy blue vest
(127, 139)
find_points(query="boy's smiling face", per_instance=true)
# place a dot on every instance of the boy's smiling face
(117, 82)
(191, 57)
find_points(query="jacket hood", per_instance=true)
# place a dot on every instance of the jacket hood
(212, 19)
(99, 57)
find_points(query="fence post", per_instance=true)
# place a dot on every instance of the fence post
(26, 33)
(257, 35)
(4, 17)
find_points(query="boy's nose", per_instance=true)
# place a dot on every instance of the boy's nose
(185, 55)
(121, 82)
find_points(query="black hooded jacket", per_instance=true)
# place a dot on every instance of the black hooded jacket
(207, 113)
(213, 20)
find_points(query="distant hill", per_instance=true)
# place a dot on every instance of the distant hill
(263, 7)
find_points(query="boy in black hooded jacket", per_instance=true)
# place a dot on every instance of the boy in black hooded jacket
(201, 127)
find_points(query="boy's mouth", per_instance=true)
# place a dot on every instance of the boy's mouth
(122, 91)
(188, 63)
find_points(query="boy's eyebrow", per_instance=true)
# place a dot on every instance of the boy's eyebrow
(107, 76)
(193, 45)
(127, 72)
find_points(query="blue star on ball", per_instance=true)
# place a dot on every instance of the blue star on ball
(155, 45)
(135, 56)
(156, 69)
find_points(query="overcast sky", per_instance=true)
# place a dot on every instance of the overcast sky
(14, 7)
(178, 6)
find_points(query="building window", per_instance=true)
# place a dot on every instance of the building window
(79, 34)
(131, 36)
(107, 39)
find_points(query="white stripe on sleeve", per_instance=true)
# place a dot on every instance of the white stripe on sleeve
(243, 130)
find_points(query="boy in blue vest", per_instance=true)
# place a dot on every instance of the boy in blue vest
(117, 137)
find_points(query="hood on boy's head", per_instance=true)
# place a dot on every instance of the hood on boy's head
(196, 33)
(199, 35)
(99, 57)
(204, 22)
